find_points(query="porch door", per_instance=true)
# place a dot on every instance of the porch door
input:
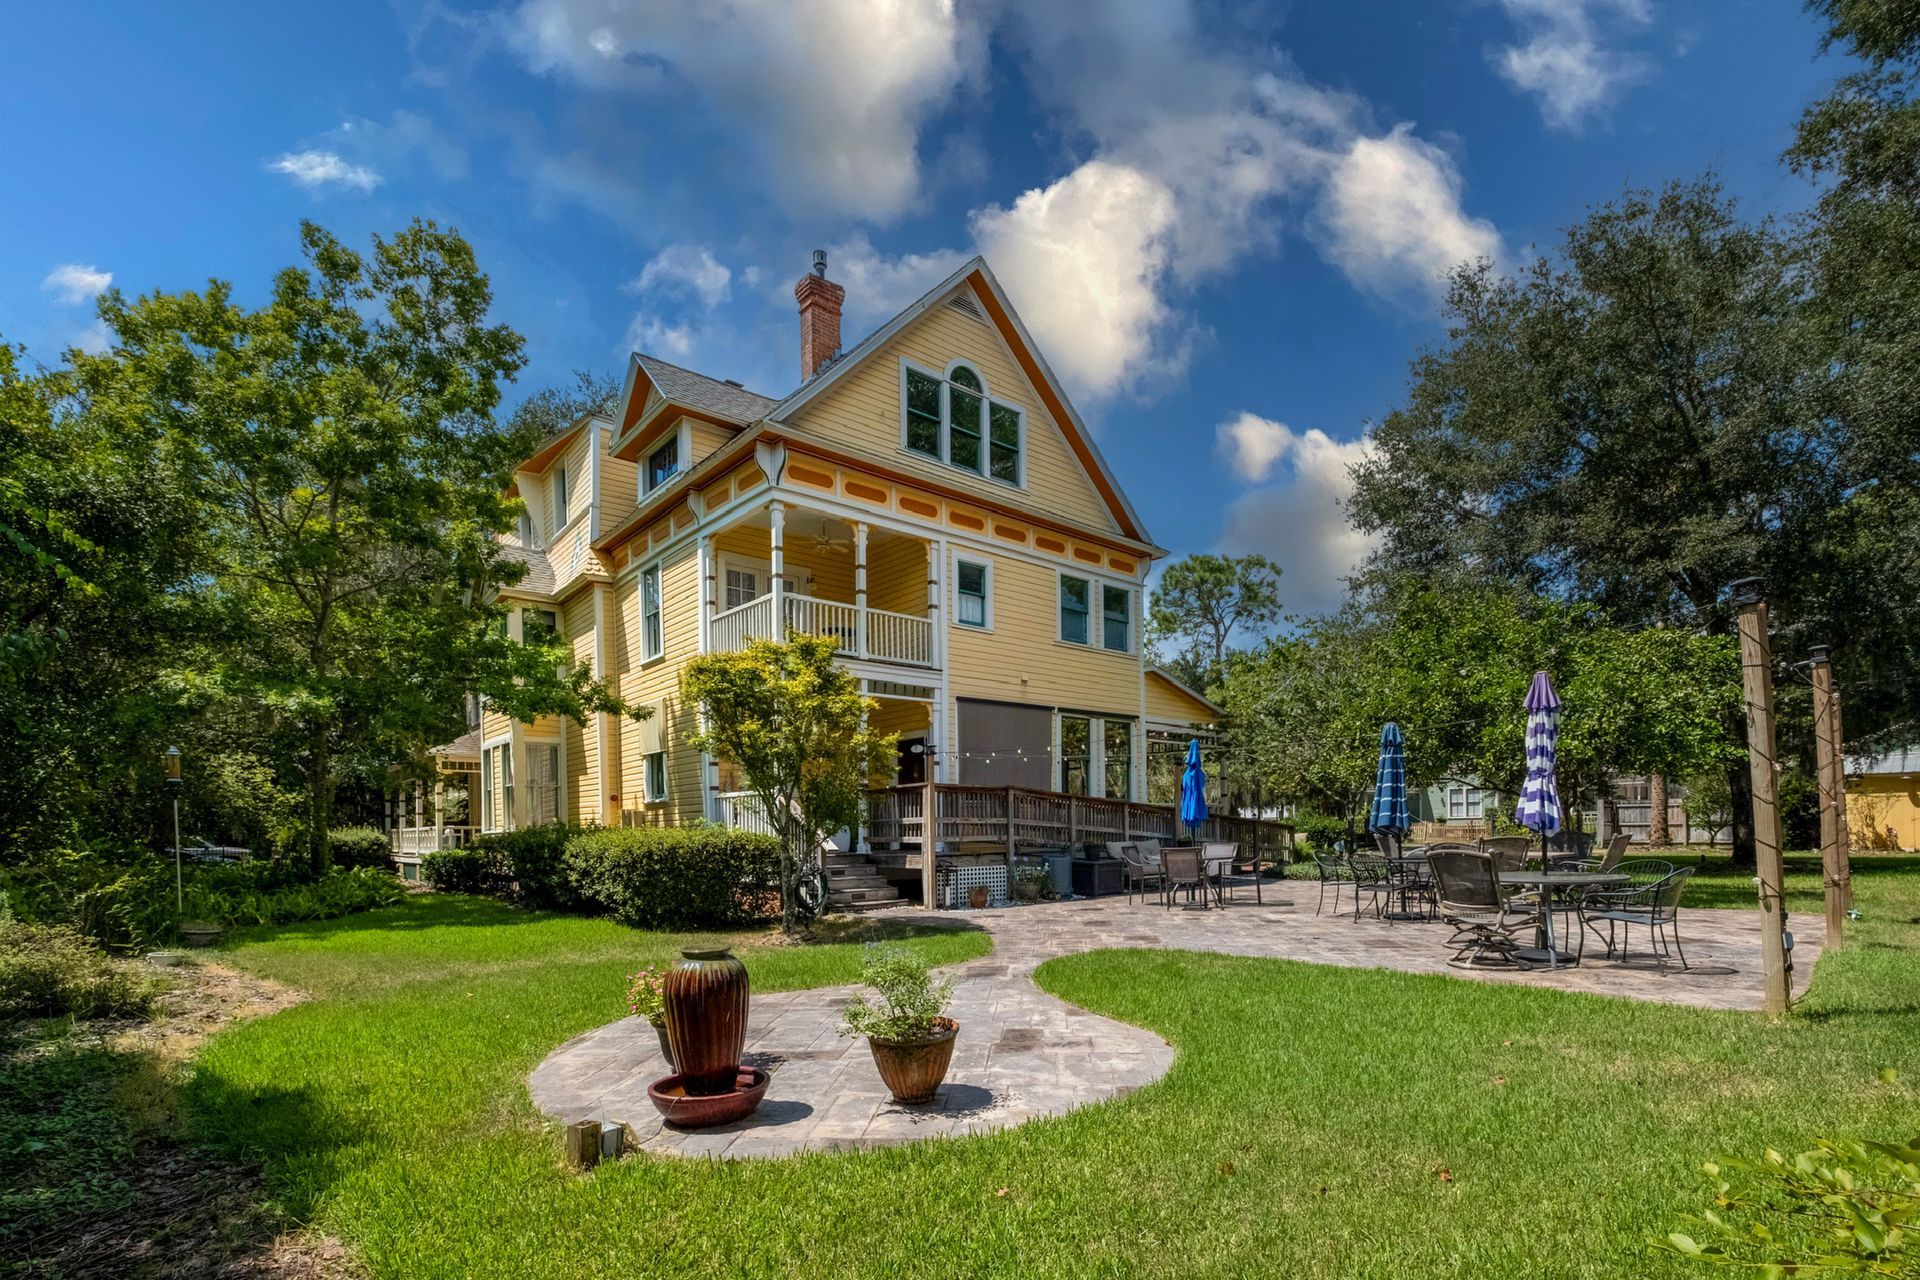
(1005, 744)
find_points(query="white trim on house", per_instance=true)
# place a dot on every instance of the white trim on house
(659, 649)
(985, 564)
(987, 402)
(1097, 583)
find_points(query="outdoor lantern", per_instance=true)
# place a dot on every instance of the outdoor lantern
(172, 757)
(1747, 592)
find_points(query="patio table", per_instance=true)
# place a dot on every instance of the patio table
(1404, 868)
(1550, 883)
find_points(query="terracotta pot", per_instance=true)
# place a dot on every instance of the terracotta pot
(684, 1109)
(666, 1045)
(913, 1069)
(977, 897)
(706, 995)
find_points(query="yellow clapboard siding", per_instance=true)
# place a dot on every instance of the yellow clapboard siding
(862, 412)
(1022, 659)
(1167, 701)
(582, 750)
(659, 682)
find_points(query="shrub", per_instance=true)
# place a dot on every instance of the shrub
(475, 869)
(533, 859)
(52, 970)
(649, 877)
(909, 999)
(1844, 1207)
(1320, 832)
(360, 847)
(342, 891)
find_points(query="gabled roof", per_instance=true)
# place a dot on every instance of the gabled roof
(1200, 698)
(697, 391)
(1902, 760)
(538, 579)
(1021, 343)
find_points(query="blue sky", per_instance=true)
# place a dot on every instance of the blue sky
(1223, 222)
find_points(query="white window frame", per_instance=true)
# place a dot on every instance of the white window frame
(559, 779)
(647, 792)
(1467, 798)
(1097, 750)
(557, 492)
(1059, 613)
(671, 439)
(987, 401)
(526, 529)
(658, 649)
(761, 569)
(985, 564)
(1132, 610)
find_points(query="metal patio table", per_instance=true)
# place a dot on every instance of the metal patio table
(1550, 883)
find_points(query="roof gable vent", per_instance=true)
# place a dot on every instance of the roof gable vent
(966, 305)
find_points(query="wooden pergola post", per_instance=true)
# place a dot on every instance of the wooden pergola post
(1833, 793)
(1756, 677)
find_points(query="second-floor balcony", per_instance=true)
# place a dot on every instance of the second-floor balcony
(877, 634)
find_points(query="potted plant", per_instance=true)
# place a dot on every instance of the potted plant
(647, 999)
(200, 933)
(904, 1023)
(1032, 882)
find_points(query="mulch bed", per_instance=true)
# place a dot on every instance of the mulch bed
(179, 1210)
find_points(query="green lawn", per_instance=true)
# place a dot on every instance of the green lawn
(1317, 1121)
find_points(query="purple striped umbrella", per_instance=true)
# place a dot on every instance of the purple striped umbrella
(1539, 807)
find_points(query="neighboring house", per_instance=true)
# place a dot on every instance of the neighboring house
(930, 498)
(1883, 800)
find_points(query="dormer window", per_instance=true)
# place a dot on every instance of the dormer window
(663, 463)
(526, 528)
(953, 419)
(559, 499)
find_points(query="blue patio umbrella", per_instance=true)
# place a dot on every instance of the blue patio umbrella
(1539, 807)
(1389, 813)
(1193, 789)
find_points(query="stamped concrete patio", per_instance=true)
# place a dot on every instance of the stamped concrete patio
(1022, 1054)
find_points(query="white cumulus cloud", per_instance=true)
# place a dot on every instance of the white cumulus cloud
(316, 169)
(1298, 515)
(831, 93)
(73, 283)
(1564, 57)
(1392, 216)
(685, 270)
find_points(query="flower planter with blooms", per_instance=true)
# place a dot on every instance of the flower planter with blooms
(646, 998)
(905, 1026)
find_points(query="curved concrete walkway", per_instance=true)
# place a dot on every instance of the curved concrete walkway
(1022, 1053)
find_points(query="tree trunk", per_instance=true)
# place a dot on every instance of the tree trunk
(319, 804)
(792, 863)
(1659, 832)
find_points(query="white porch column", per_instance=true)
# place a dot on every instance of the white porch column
(777, 567)
(937, 634)
(860, 587)
(439, 806)
(707, 590)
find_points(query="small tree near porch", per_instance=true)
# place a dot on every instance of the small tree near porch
(794, 723)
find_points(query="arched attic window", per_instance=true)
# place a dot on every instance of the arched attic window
(954, 420)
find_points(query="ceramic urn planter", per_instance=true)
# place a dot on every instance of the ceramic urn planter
(706, 999)
(914, 1069)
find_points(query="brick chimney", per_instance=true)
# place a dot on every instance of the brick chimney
(819, 300)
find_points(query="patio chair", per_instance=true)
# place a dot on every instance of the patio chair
(1388, 842)
(1655, 905)
(1487, 923)
(1509, 852)
(1137, 873)
(1212, 851)
(1150, 850)
(1641, 872)
(1333, 873)
(1183, 869)
(1372, 879)
(1607, 861)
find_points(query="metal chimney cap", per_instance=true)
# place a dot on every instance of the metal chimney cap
(820, 263)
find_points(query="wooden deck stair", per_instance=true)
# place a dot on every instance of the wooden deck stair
(854, 883)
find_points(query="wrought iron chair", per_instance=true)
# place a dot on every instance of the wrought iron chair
(1607, 861)
(1183, 869)
(1487, 923)
(1223, 854)
(1509, 852)
(1136, 873)
(1372, 879)
(1334, 874)
(1655, 905)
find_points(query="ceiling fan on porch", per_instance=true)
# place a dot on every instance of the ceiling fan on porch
(826, 542)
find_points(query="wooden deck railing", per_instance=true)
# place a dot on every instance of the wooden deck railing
(1018, 818)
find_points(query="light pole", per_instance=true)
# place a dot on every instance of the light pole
(172, 757)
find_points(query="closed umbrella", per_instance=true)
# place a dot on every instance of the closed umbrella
(1388, 817)
(1539, 807)
(1193, 789)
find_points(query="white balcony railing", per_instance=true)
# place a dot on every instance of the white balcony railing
(414, 840)
(885, 636)
(743, 811)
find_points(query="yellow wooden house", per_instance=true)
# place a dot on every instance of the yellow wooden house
(929, 497)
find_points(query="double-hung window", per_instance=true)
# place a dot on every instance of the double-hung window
(971, 589)
(538, 626)
(954, 420)
(663, 464)
(1075, 596)
(653, 754)
(559, 499)
(656, 782)
(651, 636)
(1116, 632)
(488, 822)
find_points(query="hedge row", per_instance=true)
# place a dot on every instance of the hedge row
(646, 877)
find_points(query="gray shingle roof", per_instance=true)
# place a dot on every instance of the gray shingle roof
(698, 391)
(1906, 760)
(467, 744)
(539, 575)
